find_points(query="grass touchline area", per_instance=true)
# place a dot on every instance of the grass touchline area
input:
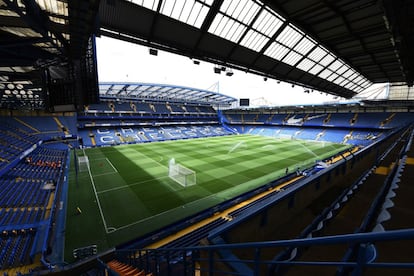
(126, 192)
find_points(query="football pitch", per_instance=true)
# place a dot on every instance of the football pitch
(126, 192)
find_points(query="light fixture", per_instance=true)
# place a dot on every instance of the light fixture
(196, 62)
(153, 52)
(293, 85)
(217, 70)
(265, 79)
(229, 72)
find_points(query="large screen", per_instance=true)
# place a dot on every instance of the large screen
(244, 102)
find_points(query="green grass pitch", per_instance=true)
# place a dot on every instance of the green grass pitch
(127, 192)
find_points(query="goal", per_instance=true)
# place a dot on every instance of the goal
(180, 174)
(83, 163)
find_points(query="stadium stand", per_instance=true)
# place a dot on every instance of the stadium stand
(354, 128)
(26, 205)
(146, 122)
(333, 222)
(29, 187)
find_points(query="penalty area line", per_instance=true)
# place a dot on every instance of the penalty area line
(110, 230)
(97, 200)
(111, 165)
(131, 185)
(187, 205)
(102, 174)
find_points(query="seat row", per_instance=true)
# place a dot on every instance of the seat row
(113, 136)
(22, 193)
(378, 120)
(21, 216)
(146, 107)
(25, 191)
(15, 248)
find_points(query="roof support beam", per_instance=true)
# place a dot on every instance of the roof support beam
(267, 45)
(214, 9)
(12, 42)
(28, 58)
(13, 21)
(154, 21)
(351, 32)
(39, 21)
(246, 31)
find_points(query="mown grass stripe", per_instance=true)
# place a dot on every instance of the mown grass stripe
(140, 197)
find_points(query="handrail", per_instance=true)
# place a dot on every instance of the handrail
(222, 253)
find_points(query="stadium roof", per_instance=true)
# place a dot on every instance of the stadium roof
(39, 34)
(339, 47)
(164, 92)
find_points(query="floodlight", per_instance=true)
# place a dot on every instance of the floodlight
(153, 52)
(217, 70)
(196, 62)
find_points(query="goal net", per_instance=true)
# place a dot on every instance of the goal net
(83, 163)
(180, 174)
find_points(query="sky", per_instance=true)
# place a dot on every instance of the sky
(120, 61)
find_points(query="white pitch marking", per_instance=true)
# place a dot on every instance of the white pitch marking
(111, 165)
(97, 200)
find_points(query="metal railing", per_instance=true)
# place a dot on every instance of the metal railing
(220, 259)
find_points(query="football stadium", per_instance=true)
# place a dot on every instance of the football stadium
(128, 176)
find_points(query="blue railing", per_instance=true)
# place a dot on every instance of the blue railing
(220, 259)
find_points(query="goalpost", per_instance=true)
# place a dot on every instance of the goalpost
(83, 163)
(180, 174)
